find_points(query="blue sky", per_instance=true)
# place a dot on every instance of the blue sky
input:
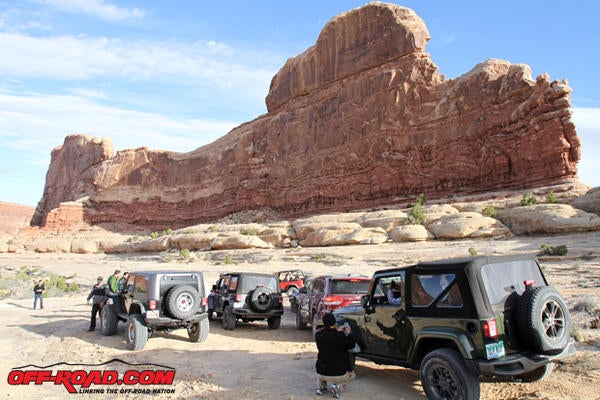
(176, 75)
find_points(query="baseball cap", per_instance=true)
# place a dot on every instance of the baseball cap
(100, 279)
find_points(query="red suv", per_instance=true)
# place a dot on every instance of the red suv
(325, 293)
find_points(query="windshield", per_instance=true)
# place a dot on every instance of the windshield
(350, 286)
(251, 282)
(502, 279)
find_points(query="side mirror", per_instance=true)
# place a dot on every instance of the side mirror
(366, 303)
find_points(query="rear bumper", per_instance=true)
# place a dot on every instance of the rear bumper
(171, 322)
(245, 313)
(517, 364)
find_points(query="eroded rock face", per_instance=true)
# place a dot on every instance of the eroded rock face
(362, 118)
(13, 217)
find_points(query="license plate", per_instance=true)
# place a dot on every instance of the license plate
(152, 314)
(494, 350)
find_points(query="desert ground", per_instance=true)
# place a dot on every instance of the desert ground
(253, 362)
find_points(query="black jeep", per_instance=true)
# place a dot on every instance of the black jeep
(456, 320)
(158, 301)
(248, 297)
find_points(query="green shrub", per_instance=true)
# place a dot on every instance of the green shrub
(416, 215)
(184, 253)
(489, 211)
(249, 231)
(473, 251)
(154, 235)
(228, 259)
(421, 199)
(528, 199)
(551, 198)
(546, 250)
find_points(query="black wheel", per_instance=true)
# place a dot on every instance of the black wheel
(444, 376)
(300, 324)
(137, 332)
(537, 374)
(543, 320)
(228, 319)
(198, 332)
(182, 301)
(210, 313)
(291, 289)
(274, 322)
(261, 298)
(109, 320)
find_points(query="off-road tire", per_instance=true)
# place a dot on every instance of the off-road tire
(291, 289)
(274, 322)
(228, 319)
(537, 374)
(300, 324)
(182, 301)
(198, 331)
(108, 320)
(543, 320)
(137, 332)
(444, 376)
(260, 299)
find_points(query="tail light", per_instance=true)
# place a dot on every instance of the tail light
(152, 304)
(204, 301)
(489, 328)
(333, 300)
(238, 298)
(529, 282)
(280, 299)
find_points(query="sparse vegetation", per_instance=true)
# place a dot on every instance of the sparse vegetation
(184, 254)
(321, 257)
(228, 259)
(546, 250)
(213, 228)
(416, 215)
(551, 197)
(528, 199)
(473, 251)
(20, 283)
(249, 231)
(154, 235)
(489, 211)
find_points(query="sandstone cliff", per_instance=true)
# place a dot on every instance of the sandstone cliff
(13, 217)
(360, 119)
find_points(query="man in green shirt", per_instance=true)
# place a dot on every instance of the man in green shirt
(113, 282)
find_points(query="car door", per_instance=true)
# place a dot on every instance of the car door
(387, 330)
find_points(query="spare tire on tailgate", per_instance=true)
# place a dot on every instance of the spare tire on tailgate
(182, 301)
(260, 299)
(544, 321)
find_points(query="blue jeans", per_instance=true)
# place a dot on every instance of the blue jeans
(37, 296)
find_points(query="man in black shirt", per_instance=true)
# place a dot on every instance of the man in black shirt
(98, 293)
(333, 363)
(38, 293)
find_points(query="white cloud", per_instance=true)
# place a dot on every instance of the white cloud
(587, 123)
(96, 8)
(202, 63)
(38, 123)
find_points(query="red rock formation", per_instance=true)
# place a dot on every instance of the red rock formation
(362, 118)
(13, 217)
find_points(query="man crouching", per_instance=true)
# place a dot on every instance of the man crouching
(333, 363)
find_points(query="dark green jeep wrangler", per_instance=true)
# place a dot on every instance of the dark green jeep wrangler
(456, 320)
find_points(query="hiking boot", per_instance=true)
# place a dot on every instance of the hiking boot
(321, 391)
(336, 391)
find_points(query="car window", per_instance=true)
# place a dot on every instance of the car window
(350, 286)
(384, 289)
(318, 285)
(502, 279)
(453, 298)
(140, 284)
(251, 282)
(233, 281)
(420, 297)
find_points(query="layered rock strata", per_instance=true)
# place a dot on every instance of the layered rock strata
(360, 119)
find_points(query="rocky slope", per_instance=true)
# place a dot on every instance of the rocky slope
(361, 119)
(13, 217)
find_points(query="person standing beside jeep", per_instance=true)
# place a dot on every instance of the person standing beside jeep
(98, 296)
(333, 363)
(113, 282)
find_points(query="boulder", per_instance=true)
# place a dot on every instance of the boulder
(467, 225)
(83, 246)
(436, 211)
(238, 241)
(548, 218)
(344, 234)
(385, 219)
(304, 228)
(410, 233)
(50, 246)
(589, 202)
(192, 241)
